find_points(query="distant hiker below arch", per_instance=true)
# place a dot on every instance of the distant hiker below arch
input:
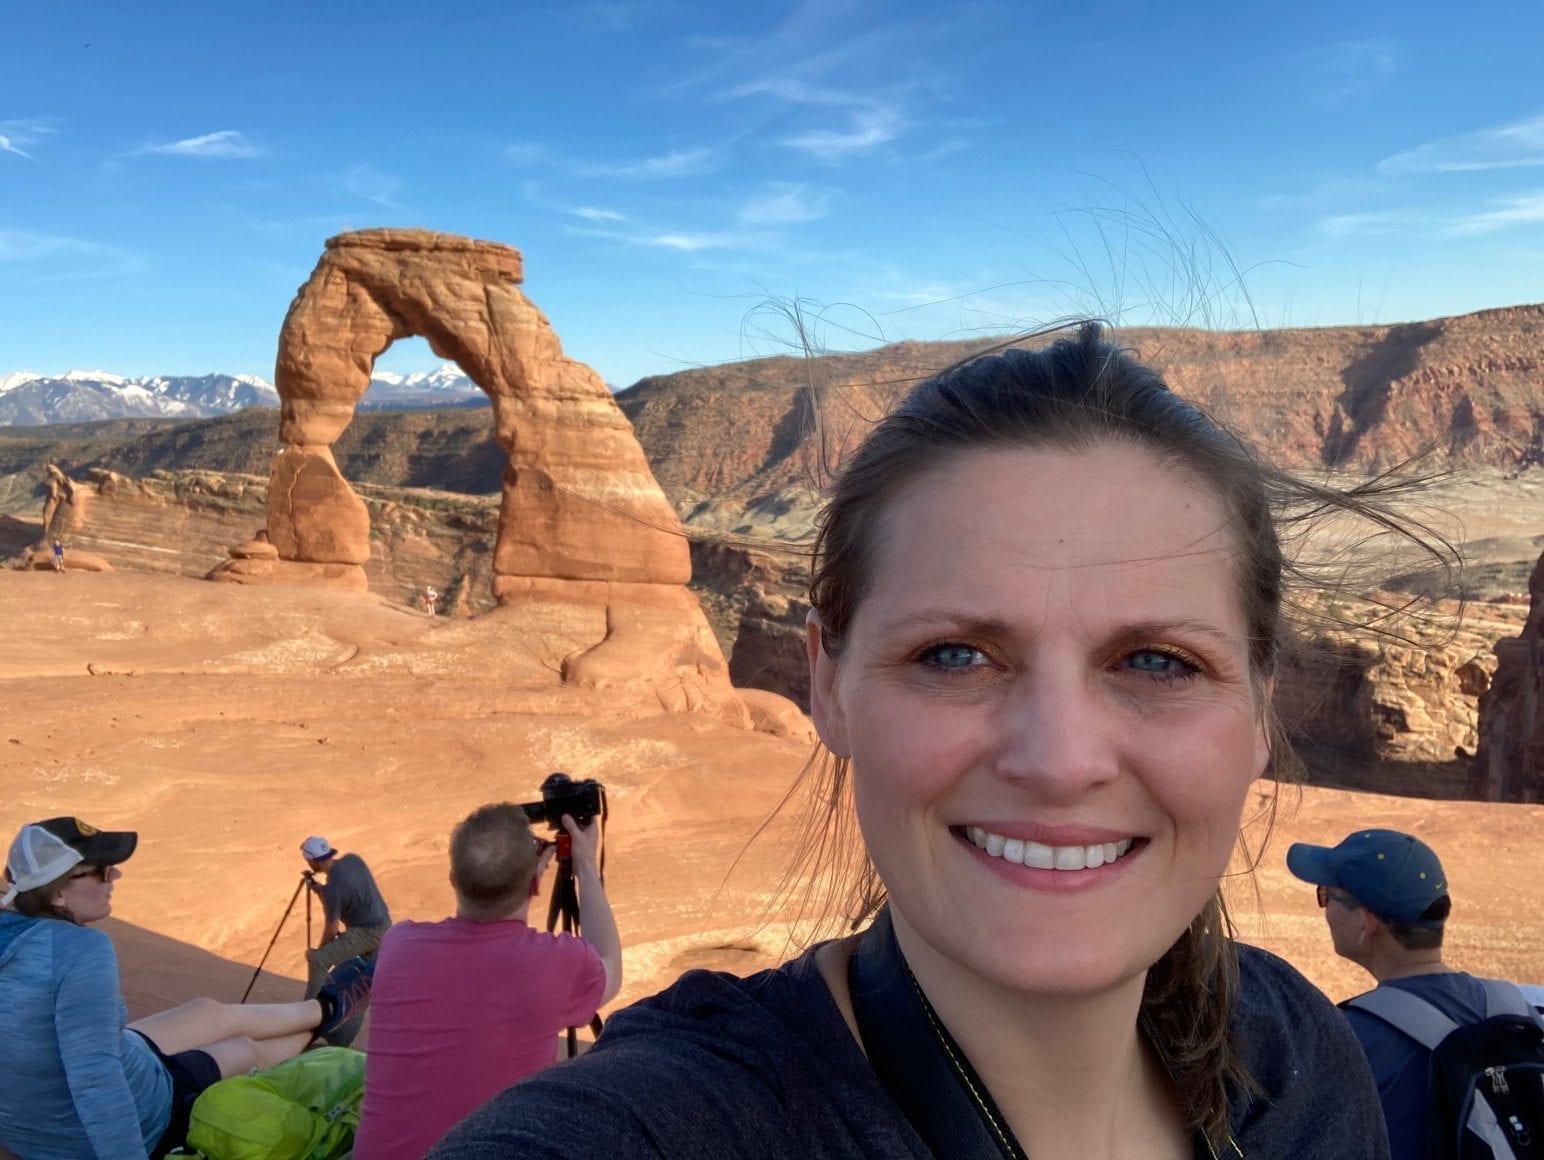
(587, 545)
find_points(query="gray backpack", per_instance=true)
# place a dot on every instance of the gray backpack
(1487, 1078)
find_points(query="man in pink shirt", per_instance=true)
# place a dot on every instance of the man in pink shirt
(462, 1008)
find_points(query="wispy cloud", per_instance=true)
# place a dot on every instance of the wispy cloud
(1337, 73)
(946, 148)
(1523, 209)
(534, 193)
(224, 145)
(785, 203)
(1330, 194)
(612, 17)
(870, 128)
(25, 246)
(1510, 146)
(17, 136)
(681, 241)
(1502, 213)
(52, 258)
(675, 163)
(1375, 223)
(870, 121)
(659, 167)
(793, 91)
(372, 185)
(526, 154)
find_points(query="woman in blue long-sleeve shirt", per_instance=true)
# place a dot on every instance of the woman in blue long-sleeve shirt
(81, 1081)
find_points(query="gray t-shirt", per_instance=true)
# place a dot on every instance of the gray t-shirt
(351, 895)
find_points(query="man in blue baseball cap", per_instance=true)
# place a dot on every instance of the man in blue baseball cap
(1385, 899)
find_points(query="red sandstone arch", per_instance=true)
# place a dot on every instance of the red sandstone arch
(579, 500)
(587, 544)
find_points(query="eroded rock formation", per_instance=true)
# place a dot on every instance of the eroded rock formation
(1509, 763)
(63, 507)
(582, 525)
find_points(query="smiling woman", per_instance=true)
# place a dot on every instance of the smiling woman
(1048, 605)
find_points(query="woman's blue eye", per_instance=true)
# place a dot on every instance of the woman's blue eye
(951, 656)
(1160, 664)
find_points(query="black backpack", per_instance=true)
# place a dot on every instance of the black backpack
(1487, 1078)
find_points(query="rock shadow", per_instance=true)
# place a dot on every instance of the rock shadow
(1368, 380)
(159, 972)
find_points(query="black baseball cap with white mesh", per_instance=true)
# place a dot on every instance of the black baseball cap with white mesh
(45, 851)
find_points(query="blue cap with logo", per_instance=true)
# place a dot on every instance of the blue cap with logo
(1394, 875)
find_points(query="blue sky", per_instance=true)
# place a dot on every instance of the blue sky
(676, 174)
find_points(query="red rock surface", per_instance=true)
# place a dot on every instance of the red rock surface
(1509, 764)
(226, 723)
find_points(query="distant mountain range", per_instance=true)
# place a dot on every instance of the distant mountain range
(29, 399)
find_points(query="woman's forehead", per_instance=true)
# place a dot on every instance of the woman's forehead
(1106, 504)
(1113, 517)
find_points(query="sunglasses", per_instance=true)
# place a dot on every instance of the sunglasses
(1324, 895)
(100, 873)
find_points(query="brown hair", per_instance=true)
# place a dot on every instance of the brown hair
(1425, 934)
(1076, 393)
(492, 859)
(42, 901)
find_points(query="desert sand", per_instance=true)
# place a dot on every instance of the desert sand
(226, 723)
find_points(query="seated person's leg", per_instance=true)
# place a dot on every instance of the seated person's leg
(197, 1024)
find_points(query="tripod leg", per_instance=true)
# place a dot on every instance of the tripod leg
(285, 918)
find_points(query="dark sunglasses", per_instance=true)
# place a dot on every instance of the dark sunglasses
(1324, 896)
(100, 873)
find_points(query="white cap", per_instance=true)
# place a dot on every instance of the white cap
(37, 858)
(316, 849)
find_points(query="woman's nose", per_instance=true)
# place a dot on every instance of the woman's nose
(1055, 736)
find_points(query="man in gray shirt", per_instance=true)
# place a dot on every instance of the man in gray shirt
(355, 914)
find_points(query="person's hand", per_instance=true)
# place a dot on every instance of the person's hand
(585, 848)
(544, 857)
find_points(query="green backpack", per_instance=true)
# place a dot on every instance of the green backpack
(306, 1108)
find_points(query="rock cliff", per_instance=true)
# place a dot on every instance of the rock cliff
(1358, 398)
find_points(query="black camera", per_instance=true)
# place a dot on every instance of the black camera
(561, 794)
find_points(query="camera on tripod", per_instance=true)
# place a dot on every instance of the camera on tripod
(561, 794)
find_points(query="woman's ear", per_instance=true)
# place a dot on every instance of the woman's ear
(825, 705)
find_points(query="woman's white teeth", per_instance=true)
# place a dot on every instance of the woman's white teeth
(1041, 857)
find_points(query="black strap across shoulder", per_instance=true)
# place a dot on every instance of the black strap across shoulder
(922, 1066)
(917, 1059)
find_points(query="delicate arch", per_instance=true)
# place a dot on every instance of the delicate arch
(579, 499)
(588, 547)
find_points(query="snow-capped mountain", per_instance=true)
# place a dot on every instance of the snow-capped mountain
(31, 399)
(445, 386)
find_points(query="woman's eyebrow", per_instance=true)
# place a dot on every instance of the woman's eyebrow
(1179, 626)
(973, 624)
(960, 621)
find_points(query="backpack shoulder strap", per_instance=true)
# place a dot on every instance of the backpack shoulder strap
(1504, 998)
(1417, 1018)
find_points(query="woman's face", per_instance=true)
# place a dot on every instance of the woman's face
(88, 892)
(1045, 695)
